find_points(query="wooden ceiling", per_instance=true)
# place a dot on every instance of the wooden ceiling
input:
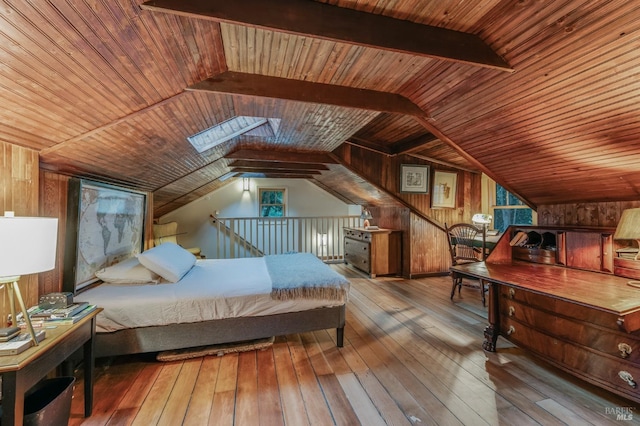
(541, 96)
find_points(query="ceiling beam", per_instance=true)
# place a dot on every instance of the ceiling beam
(279, 171)
(237, 83)
(371, 146)
(272, 165)
(328, 22)
(276, 175)
(282, 156)
(413, 145)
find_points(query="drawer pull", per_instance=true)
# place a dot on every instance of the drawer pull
(512, 293)
(512, 311)
(627, 377)
(625, 350)
(511, 330)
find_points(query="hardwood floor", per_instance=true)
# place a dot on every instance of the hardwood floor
(411, 356)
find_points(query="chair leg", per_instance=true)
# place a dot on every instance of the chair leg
(453, 288)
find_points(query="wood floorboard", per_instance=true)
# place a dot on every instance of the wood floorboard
(411, 356)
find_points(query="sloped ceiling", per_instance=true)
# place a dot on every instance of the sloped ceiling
(541, 96)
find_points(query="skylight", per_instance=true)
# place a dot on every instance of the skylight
(234, 127)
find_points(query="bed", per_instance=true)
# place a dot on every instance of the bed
(165, 299)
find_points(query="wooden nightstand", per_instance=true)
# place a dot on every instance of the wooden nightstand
(20, 372)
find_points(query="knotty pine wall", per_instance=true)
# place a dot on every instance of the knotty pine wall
(424, 245)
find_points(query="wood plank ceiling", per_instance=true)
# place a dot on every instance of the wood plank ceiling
(542, 96)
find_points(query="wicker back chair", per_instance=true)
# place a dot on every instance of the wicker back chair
(467, 243)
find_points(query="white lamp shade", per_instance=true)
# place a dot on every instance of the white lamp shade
(27, 245)
(481, 218)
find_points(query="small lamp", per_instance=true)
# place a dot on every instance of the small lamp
(366, 215)
(27, 246)
(245, 184)
(629, 227)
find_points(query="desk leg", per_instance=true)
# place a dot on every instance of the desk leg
(492, 331)
(12, 399)
(89, 364)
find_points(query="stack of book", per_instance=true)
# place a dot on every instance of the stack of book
(43, 316)
(20, 342)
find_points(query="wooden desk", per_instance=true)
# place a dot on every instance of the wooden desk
(20, 372)
(586, 323)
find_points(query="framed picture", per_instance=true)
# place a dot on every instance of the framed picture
(414, 178)
(105, 225)
(444, 190)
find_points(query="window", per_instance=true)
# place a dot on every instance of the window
(272, 202)
(509, 210)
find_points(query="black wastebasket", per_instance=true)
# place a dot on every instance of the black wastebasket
(49, 402)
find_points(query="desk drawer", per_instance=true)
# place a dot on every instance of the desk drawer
(613, 343)
(559, 307)
(616, 374)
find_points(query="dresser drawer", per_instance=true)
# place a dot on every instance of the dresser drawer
(357, 253)
(357, 235)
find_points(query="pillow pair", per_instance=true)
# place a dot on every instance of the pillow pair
(168, 261)
(128, 271)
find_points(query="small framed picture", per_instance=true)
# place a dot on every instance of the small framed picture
(444, 190)
(414, 178)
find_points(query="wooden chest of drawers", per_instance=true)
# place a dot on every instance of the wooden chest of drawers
(376, 252)
(584, 341)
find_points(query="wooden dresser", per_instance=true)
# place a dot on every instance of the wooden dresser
(563, 303)
(376, 252)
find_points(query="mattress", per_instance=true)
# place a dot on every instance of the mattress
(212, 289)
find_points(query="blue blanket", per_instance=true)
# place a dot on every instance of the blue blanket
(303, 275)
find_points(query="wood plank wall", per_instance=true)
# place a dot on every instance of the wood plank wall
(53, 203)
(425, 249)
(19, 177)
(604, 214)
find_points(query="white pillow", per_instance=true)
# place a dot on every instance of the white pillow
(128, 271)
(168, 260)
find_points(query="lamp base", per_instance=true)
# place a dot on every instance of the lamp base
(13, 288)
(366, 223)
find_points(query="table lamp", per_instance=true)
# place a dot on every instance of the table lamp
(366, 215)
(629, 227)
(27, 246)
(482, 219)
